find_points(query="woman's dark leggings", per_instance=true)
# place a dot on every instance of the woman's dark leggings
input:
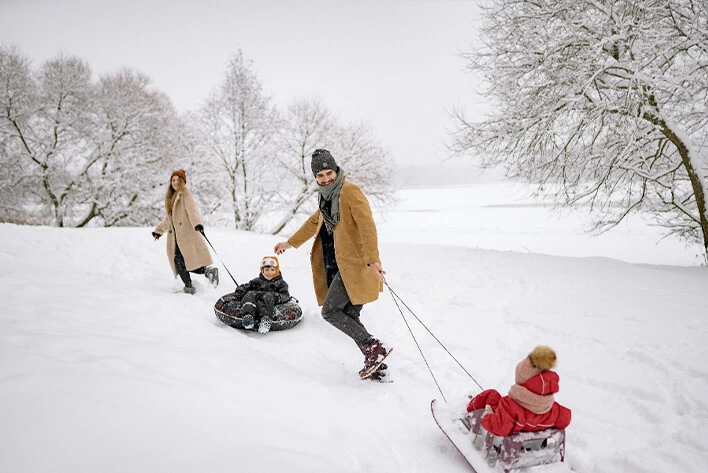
(182, 268)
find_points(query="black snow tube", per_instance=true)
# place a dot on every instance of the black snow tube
(228, 309)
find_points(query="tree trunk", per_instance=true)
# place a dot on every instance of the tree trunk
(696, 183)
(91, 214)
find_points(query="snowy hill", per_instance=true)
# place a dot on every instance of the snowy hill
(105, 368)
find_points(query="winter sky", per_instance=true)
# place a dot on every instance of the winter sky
(394, 64)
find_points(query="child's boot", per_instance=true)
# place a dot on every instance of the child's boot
(264, 325)
(247, 321)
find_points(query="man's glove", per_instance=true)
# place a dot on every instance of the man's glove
(200, 229)
(156, 236)
(487, 410)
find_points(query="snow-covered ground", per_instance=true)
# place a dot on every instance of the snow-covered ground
(104, 367)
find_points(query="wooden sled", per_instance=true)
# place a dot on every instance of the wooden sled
(518, 450)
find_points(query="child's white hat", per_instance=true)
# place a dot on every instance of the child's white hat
(269, 261)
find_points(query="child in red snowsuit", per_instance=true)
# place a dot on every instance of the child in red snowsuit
(530, 405)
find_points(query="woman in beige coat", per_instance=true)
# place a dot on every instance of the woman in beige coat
(346, 268)
(186, 249)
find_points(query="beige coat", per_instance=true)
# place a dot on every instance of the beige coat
(355, 246)
(185, 216)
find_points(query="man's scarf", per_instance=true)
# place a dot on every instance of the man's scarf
(331, 194)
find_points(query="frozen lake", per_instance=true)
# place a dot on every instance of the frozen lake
(500, 216)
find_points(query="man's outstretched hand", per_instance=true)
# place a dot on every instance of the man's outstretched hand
(281, 247)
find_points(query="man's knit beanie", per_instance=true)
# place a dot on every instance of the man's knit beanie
(321, 160)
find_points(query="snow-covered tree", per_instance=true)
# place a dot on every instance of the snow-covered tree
(204, 173)
(45, 118)
(308, 125)
(17, 105)
(136, 139)
(365, 161)
(238, 124)
(79, 152)
(603, 102)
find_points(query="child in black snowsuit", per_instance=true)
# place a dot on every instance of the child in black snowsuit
(260, 295)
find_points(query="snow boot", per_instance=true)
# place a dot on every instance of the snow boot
(247, 321)
(374, 355)
(264, 325)
(189, 289)
(380, 375)
(212, 275)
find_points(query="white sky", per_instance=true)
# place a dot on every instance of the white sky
(394, 64)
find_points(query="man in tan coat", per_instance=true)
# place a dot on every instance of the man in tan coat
(346, 268)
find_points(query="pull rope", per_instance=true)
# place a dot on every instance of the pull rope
(416, 341)
(396, 299)
(217, 255)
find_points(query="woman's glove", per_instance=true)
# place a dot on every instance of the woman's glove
(200, 229)
(487, 410)
(156, 236)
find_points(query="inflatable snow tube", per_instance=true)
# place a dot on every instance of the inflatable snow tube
(228, 308)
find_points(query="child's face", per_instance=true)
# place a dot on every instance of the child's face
(268, 272)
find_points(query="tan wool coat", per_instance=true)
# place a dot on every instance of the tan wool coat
(355, 246)
(180, 225)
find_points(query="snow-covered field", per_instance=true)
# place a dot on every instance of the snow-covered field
(500, 216)
(105, 368)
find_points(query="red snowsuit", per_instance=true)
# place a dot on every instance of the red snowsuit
(509, 416)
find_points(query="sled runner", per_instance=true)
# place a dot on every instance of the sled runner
(488, 453)
(288, 315)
